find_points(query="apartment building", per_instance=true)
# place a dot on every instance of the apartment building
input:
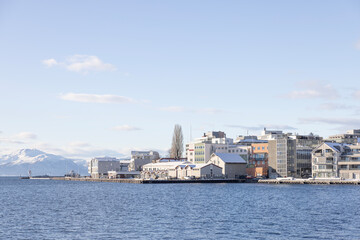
(304, 146)
(258, 160)
(140, 158)
(349, 163)
(350, 137)
(200, 150)
(325, 160)
(99, 167)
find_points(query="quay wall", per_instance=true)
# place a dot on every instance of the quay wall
(145, 181)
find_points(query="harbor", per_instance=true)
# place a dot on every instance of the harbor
(150, 181)
(260, 181)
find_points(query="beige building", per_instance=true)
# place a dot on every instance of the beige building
(325, 160)
(349, 163)
(233, 166)
(201, 149)
(180, 170)
(196, 171)
(350, 137)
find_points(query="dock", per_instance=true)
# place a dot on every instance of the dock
(309, 181)
(148, 181)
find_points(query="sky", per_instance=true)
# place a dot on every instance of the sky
(91, 78)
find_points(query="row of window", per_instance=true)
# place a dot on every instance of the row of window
(258, 148)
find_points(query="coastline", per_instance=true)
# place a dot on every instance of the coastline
(260, 181)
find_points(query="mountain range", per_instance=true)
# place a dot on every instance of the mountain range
(40, 163)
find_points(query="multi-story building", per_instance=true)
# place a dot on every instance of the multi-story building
(140, 158)
(350, 137)
(304, 146)
(99, 167)
(331, 160)
(325, 160)
(200, 150)
(303, 161)
(258, 160)
(349, 163)
(282, 153)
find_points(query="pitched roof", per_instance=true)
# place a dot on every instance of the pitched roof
(335, 146)
(230, 157)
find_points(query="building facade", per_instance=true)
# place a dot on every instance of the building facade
(99, 167)
(258, 160)
(350, 137)
(232, 165)
(325, 160)
(201, 149)
(140, 158)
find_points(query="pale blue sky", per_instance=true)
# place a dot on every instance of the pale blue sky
(215, 65)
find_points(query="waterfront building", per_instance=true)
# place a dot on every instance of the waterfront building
(140, 158)
(303, 162)
(289, 154)
(325, 160)
(233, 166)
(282, 153)
(304, 145)
(99, 167)
(350, 137)
(180, 170)
(200, 150)
(258, 160)
(336, 160)
(349, 163)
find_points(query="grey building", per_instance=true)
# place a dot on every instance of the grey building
(99, 167)
(140, 158)
(304, 146)
(350, 137)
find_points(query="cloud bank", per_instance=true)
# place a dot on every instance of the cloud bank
(95, 98)
(81, 64)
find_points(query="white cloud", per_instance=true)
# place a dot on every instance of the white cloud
(209, 111)
(26, 135)
(199, 111)
(313, 89)
(81, 150)
(261, 127)
(173, 109)
(81, 64)
(345, 123)
(85, 63)
(356, 94)
(126, 128)
(95, 98)
(357, 45)
(333, 106)
(50, 62)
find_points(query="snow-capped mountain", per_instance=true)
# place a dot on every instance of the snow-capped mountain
(40, 163)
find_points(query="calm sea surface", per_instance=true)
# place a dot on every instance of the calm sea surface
(46, 209)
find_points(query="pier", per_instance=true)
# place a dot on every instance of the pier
(148, 181)
(309, 181)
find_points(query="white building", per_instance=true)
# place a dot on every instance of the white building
(200, 150)
(99, 167)
(331, 160)
(140, 158)
(233, 166)
(180, 170)
(325, 160)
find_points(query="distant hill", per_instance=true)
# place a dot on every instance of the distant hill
(40, 163)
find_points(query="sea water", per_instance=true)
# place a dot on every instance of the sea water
(49, 209)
